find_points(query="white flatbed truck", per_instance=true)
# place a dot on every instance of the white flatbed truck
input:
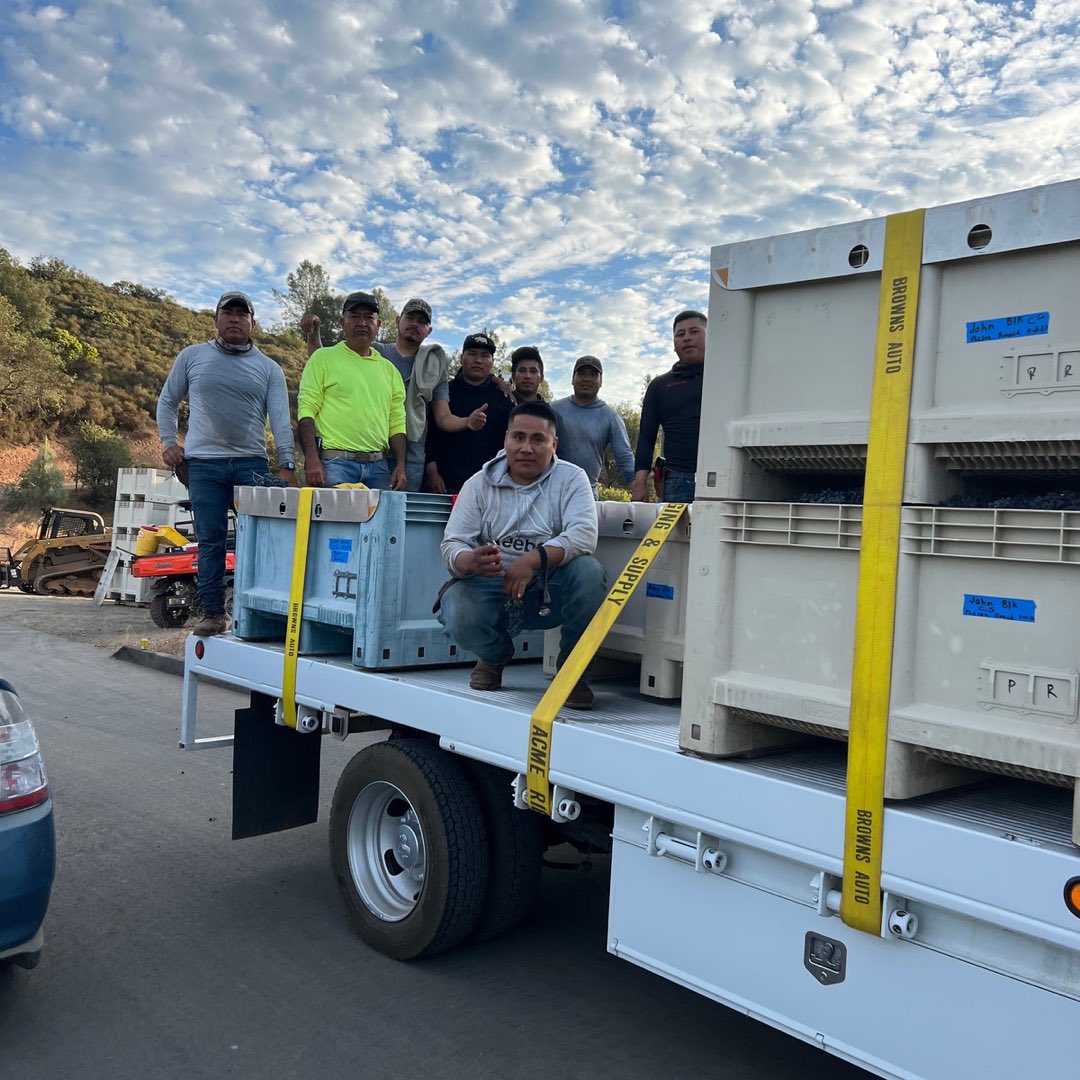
(725, 876)
(751, 879)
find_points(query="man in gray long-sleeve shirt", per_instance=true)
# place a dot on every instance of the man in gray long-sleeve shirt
(588, 426)
(519, 545)
(231, 389)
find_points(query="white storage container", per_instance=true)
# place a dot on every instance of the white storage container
(996, 380)
(649, 629)
(986, 658)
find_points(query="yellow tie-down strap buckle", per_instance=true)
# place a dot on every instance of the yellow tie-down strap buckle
(296, 606)
(542, 723)
(871, 680)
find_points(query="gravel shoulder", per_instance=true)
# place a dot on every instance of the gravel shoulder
(108, 626)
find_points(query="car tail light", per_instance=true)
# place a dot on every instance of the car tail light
(22, 772)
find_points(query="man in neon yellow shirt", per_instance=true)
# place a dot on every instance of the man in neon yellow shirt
(355, 399)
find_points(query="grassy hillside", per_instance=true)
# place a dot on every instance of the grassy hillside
(73, 349)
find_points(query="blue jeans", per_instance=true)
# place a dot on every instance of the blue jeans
(210, 487)
(375, 474)
(678, 486)
(478, 615)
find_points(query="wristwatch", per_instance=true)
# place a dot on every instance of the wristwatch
(291, 465)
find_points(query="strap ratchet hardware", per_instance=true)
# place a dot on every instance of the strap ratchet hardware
(542, 722)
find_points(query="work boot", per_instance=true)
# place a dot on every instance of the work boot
(209, 625)
(581, 697)
(486, 676)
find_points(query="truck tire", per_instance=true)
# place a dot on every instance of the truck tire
(166, 617)
(409, 848)
(516, 846)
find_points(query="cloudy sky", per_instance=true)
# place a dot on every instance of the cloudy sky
(556, 170)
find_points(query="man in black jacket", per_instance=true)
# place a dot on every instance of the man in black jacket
(452, 457)
(673, 402)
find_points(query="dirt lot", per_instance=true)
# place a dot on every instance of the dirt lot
(107, 627)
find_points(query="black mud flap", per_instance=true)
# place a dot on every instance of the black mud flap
(275, 773)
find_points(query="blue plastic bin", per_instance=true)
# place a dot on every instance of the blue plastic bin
(372, 573)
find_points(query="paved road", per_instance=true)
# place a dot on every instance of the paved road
(172, 952)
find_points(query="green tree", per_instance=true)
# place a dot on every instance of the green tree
(98, 453)
(30, 298)
(388, 317)
(41, 485)
(32, 376)
(309, 290)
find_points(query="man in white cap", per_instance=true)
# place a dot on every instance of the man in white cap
(231, 389)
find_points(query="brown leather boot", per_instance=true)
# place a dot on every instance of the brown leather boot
(486, 676)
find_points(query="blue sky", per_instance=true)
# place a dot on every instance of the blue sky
(557, 171)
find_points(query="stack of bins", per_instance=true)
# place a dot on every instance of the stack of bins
(143, 497)
(649, 629)
(984, 666)
(372, 573)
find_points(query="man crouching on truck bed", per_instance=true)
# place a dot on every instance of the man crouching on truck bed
(519, 545)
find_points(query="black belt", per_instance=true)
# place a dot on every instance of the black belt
(363, 456)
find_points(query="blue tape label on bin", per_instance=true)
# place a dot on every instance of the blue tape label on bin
(340, 548)
(1009, 326)
(661, 592)
(999, 607)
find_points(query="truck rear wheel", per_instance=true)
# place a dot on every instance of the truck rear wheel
(516, 846)
(409, 848)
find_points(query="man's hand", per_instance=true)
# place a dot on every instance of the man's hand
(639, 489)
(310, 324)
(485, 560)
(398, 480)
(434, 479)
(519, 575)
(477, 418)
(314, 474)
(172, 456)
(504, 386)
(289, 476)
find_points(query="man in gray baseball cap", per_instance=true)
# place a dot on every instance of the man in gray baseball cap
(589, 426)
(232, 389)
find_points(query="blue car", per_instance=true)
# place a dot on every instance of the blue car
(27, 843)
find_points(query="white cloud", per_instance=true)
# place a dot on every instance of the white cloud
(541, 169)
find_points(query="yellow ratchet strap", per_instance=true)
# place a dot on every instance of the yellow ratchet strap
(538, 757)
(296, 605)
(890, 406)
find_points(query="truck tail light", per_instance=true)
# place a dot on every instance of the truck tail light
(22, 772)
(1072, 895)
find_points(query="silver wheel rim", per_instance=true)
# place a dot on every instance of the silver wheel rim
(387, 853)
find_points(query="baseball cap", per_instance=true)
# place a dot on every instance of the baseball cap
(479, 341)
(588, 361)
(360, 299)
(227, 299)
(421, 307)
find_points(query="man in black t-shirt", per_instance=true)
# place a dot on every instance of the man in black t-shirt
(452, 457)
(673, 402)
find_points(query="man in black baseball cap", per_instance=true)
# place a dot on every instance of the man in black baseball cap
(353, 398)
(477, 403)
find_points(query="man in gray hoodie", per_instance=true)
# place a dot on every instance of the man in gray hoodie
(588, 426)
(519, 545)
